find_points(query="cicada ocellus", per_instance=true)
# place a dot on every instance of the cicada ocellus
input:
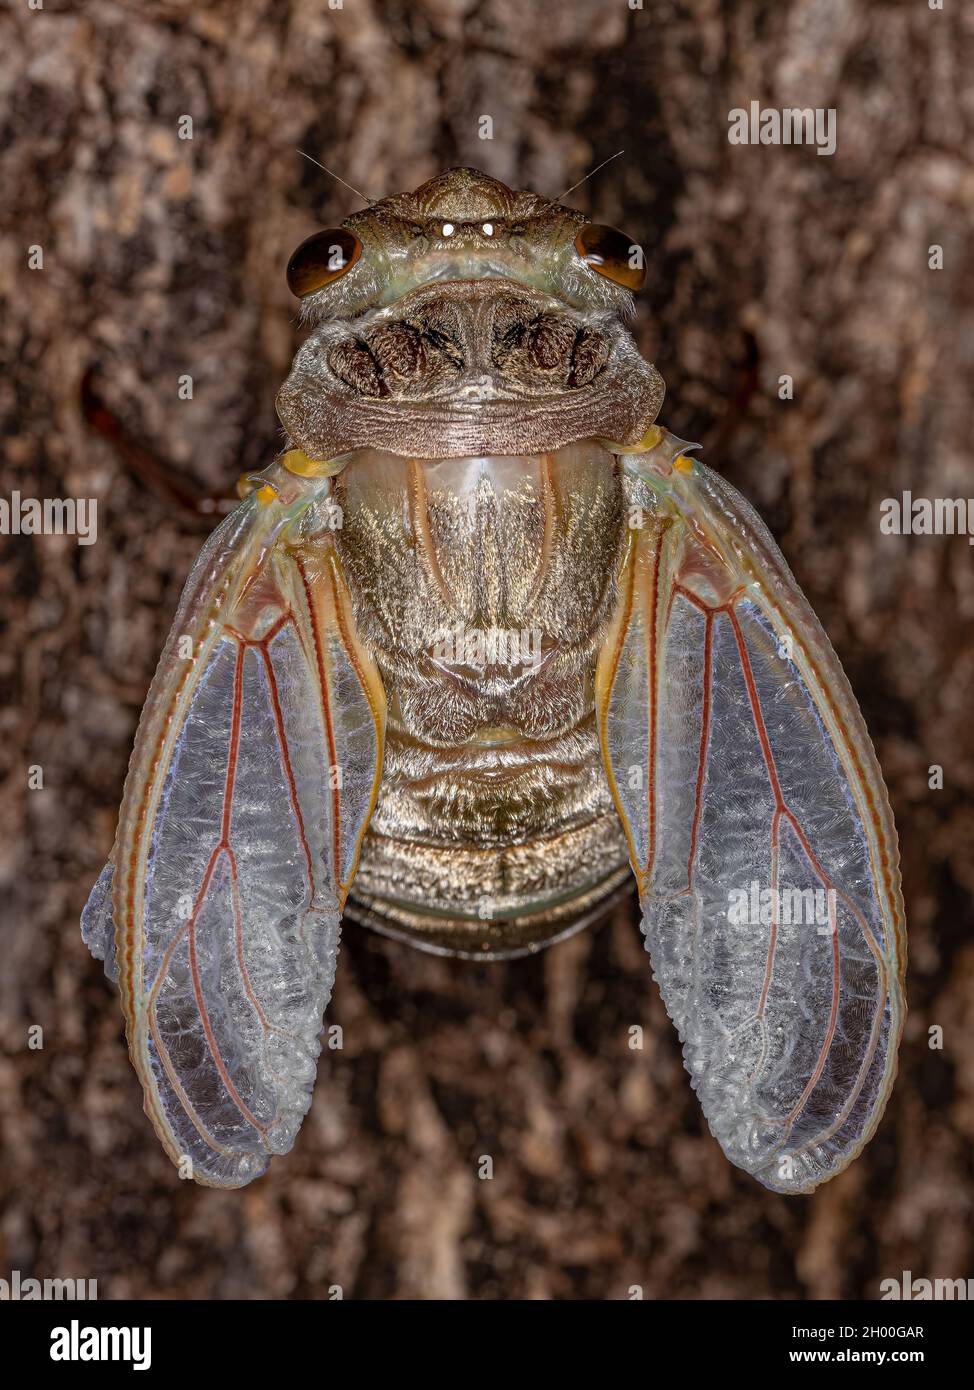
(482, 645)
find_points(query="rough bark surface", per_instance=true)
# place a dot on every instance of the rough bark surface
(165, 256)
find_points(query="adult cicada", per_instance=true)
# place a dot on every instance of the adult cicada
(482, 641)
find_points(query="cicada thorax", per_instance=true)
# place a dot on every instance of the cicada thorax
(484, 587)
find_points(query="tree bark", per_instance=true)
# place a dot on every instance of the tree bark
(164, 257)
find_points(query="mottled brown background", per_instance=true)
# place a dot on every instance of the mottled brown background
(164, 257)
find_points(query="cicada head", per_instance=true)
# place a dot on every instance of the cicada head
(466, 318)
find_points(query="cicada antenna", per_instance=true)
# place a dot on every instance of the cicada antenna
(589, 175)
(352, 189)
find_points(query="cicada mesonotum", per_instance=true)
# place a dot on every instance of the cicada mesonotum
(481, 643)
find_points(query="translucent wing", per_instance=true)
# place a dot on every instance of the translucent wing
(254, 774)
(759, 827)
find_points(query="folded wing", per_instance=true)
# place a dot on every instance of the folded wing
(254, 774)
(760, 832)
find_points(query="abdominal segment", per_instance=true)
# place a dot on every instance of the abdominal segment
(483, 587)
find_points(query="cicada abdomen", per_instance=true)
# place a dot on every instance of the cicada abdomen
(484, 586)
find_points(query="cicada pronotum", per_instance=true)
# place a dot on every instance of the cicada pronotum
(483, 643)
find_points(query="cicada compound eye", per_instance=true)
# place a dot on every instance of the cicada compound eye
(613, 254)
(322, 259)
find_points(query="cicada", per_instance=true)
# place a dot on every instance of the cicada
(484, 644)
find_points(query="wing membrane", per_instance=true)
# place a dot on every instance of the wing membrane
(759, 829)
(254, 775)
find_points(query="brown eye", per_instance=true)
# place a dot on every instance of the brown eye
(612, 254)
(322, 259)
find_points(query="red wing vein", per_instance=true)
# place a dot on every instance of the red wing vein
(782, 811)
(651, 610)
(223, 847)
(329, 725)
(708, 646)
